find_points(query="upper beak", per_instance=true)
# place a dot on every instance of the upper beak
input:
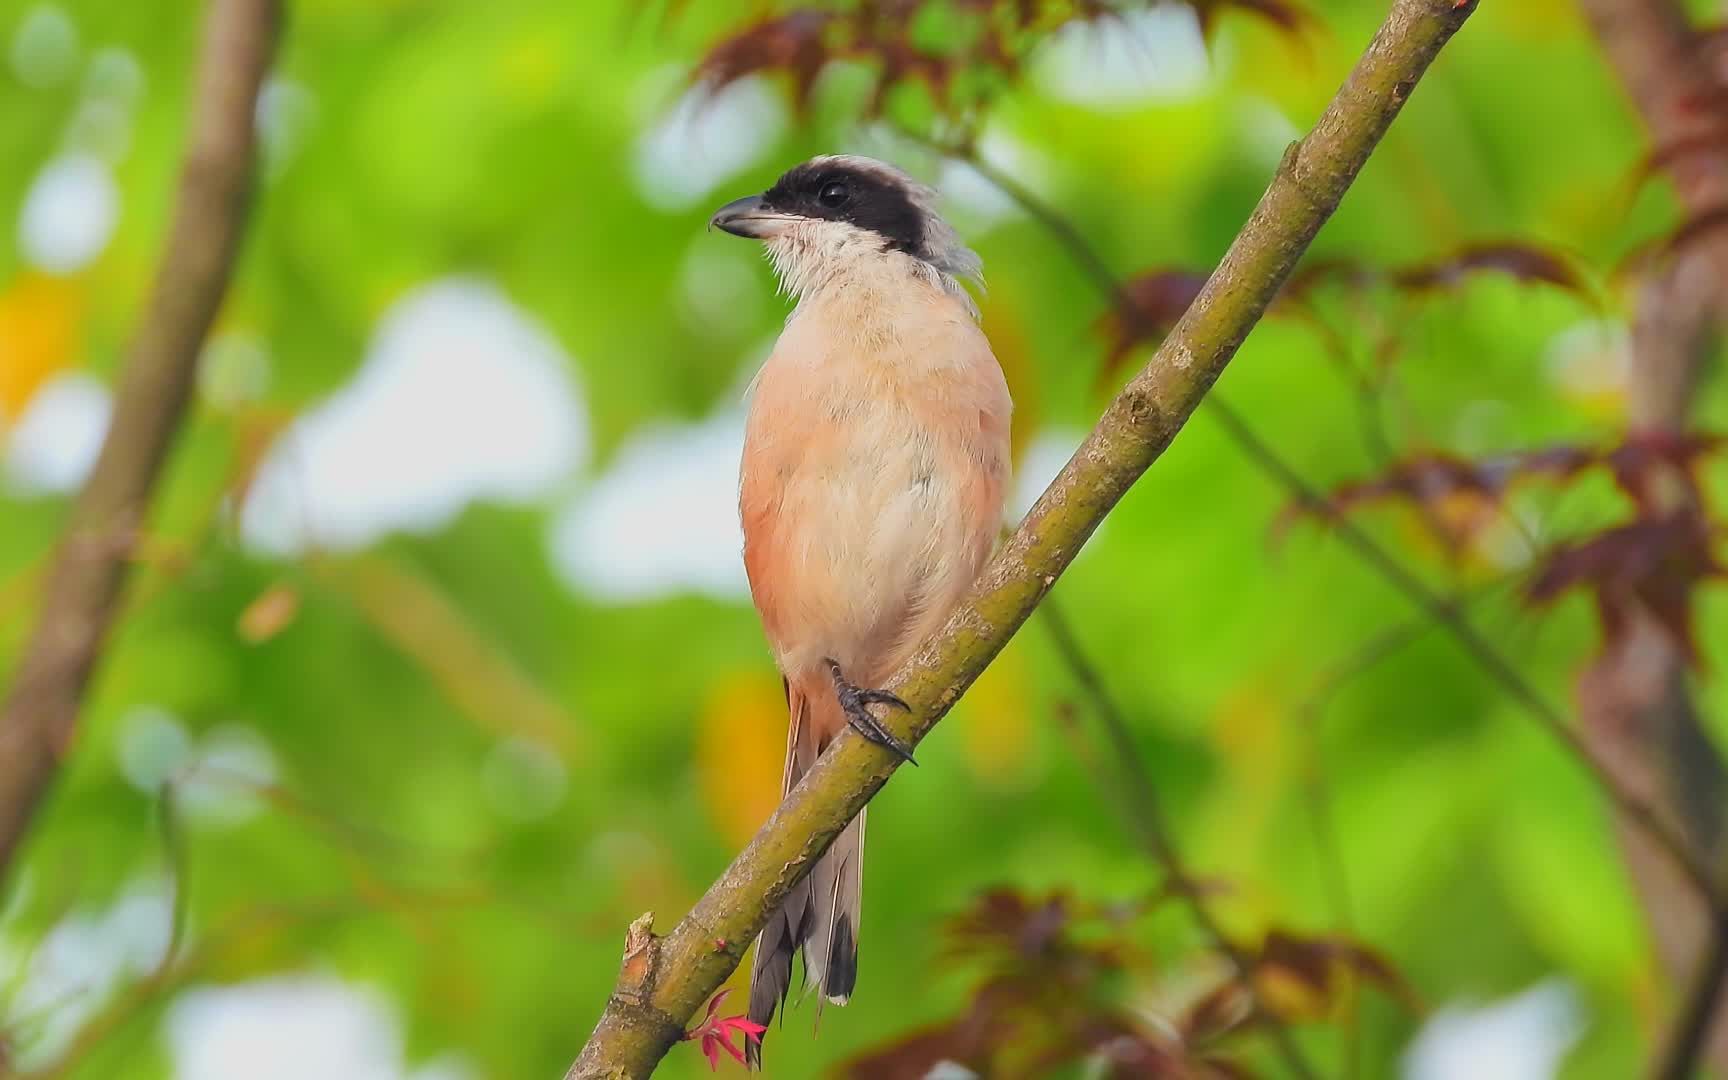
(747, 217)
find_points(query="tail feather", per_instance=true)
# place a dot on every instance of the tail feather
(820, 916)
(831, 954)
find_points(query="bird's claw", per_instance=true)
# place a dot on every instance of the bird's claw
(855, 702)
(883, 697)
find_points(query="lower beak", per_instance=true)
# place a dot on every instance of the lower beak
(747, 217)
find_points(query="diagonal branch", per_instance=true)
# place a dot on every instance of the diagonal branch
(83, 590)
(664, 980)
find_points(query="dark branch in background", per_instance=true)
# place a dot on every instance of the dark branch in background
(1643, 812)
(664, 981)
(1635, 701)
(1689, 1038)
(1148, 817)
(40, 710)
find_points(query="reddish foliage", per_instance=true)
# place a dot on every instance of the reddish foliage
(1652, 563)
(1153, 302)
(715, 1033)
(1287, 17)
(1458, 494)
(1216, 1013)
(1058, 989)
(1656, 562)
(1320, 964)
(1000, 34)
(1049, 998)
(1159, 297)
(1522, 262)
(1518, 261)
(795, 43)
(1297, 978)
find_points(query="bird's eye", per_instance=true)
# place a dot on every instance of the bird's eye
(833, 195)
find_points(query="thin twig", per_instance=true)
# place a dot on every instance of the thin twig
(175, 852)
(1148, 816)
(664, 980)
(89, 570)
(1334, 870)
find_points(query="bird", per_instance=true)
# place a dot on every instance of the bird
(871, 487)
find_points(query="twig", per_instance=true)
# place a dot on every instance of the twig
(664, 980)
(1148, 817)
(176, 854)
(89, 570)
(1334, 870)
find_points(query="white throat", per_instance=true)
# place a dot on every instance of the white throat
(817, 260)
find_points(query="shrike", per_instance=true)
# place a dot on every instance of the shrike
(875, 462)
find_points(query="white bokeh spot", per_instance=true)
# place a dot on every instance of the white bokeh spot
(69, 213)
(51, 448)
(705, 140)
(1157, 54)
(1042, 460)
(78, 964)
(45, 46)
(293, 1027)
(662, 519)
(462, 397)
(1523, 1037)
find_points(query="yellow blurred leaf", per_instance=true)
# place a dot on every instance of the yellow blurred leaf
(1248, 730)
(997, 729)
(1014, 353)
(530, 67)
(1290, 996)
(38, 323)
(269, 614)
(740, 751)
(1544, 20)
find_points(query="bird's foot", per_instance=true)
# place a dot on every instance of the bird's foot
(855, 702)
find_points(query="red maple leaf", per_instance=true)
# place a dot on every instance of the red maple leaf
(715, 1032)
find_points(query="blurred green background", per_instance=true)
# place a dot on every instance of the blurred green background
(440, 631)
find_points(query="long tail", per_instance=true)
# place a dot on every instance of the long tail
(820, 916)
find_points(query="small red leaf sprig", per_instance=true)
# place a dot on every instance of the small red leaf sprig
(715, 1032)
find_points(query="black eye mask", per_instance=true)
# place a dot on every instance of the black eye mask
(855, 196)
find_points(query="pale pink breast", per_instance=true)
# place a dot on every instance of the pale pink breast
(872, 485)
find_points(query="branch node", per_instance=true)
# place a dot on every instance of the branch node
(641, 960)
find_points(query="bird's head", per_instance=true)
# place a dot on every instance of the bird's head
(834, 214)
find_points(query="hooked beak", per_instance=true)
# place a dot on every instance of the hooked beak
(747, 217)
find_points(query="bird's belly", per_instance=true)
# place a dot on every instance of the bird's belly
(870, 536)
